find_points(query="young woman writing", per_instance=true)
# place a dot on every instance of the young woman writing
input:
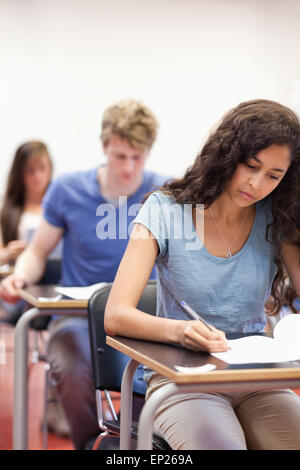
(245, 238)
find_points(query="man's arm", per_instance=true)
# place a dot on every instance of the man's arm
(31, 264)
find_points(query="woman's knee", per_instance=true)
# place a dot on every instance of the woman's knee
(202, 437)
(199, 424)
(271, 420)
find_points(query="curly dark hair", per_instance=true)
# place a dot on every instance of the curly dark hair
(243, 132)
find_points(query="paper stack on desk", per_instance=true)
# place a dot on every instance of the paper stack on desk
(5, 269)
(283, 347)
(80, 293)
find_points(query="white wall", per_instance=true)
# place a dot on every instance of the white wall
(64, 61)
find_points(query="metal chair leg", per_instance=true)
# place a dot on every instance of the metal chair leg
(99, 439)
(35, 353)
(37, 356)
(45, 412)
(111, 406)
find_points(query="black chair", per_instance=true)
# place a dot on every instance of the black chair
(108, 366)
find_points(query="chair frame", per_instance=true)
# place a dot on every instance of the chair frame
(116, 361)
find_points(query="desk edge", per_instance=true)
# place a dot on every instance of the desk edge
(229, 375)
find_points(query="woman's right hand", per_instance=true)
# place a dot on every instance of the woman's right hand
(196, 336)
(9, 286)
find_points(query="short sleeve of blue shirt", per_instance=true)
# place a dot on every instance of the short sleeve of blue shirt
(53, 204)
(152, 217)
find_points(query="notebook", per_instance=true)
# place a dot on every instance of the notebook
(283, 347)
(80, 293)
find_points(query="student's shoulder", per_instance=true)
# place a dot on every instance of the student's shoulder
(75, 177)
(155, 180)
(160, 197)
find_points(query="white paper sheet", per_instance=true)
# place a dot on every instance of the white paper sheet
(50, 299)
(5, 268)
(195, 370)
(261, 349)
(80, 293)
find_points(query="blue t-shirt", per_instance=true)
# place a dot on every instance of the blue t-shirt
(96, 232)
(229, 293)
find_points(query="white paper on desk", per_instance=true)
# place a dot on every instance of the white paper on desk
(80, 293)
(195, 370)
(285, 346)
(50, 299)
(5, 268)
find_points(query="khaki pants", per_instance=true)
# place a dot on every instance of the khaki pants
(210, 421)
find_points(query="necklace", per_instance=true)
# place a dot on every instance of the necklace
(229, 254)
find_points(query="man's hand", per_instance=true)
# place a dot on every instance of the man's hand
(9, 286)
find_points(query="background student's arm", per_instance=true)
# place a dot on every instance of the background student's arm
(11, 251)
(31, 264)
(291, 257)
(123, 318)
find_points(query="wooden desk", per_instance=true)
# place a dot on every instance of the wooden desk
(40, 308)
(163, 357)
(33, 294)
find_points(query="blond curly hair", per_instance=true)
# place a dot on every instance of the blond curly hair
(130, 120)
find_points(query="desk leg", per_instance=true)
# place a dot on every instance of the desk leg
(20, 426)
(126, 405)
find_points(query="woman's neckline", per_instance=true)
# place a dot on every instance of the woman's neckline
(240, 251)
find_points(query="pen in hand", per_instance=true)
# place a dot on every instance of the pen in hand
(193, 315)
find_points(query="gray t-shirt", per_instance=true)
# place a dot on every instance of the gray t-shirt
(229, 293)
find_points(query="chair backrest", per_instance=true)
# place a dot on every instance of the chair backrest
(108, 363)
